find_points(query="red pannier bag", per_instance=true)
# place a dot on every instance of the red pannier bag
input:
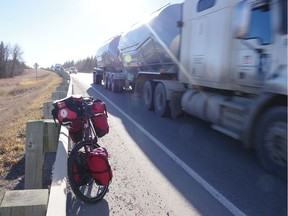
(75, 130)
(99, 166)
(80, 170)
(100, 120)
(101, 124)
(67, 109)
(99, 106)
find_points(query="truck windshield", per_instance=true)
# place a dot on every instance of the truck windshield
(260, 26)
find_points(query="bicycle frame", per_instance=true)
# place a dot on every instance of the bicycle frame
(89, 133)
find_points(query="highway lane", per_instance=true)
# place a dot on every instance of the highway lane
(213, 163)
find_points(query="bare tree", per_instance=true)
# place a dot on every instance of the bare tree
(11, 63)
(2, 60)
(15, 65)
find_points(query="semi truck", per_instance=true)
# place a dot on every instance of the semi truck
(227, 65)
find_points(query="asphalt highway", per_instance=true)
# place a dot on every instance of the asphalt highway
(193, 169)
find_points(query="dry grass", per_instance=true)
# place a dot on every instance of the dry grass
(21, 99)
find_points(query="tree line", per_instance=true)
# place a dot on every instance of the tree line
(84, 65)
(11, 63)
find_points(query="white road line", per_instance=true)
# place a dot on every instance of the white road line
(209, 188)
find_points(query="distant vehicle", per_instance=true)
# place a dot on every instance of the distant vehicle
(72, 70)
(58, 67)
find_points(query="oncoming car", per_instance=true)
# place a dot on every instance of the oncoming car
(72, 70)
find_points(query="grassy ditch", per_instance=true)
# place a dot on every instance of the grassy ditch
(21, 99)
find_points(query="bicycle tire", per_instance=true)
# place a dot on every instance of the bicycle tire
(87, 190)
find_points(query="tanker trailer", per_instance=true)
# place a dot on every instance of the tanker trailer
(109, 68)
(148, 50)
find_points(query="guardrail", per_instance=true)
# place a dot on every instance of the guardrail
(42, 136)
(58, 191)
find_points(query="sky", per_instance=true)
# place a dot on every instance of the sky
(57, 31)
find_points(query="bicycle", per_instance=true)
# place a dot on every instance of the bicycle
(82, 184)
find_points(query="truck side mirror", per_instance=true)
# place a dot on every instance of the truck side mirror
(241, 19)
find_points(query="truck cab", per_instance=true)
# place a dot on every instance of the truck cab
(234, 45)
(233, 57)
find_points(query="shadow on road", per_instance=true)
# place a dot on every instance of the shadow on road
(76, 207)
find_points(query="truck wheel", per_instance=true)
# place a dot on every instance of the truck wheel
(94, 78)
(160, 101)
(106, 83)
(114, 85)
(148, 94)
(271, 141)
(109, 84)
(98, 79)
(121, 85)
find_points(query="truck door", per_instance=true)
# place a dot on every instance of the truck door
(256, 50)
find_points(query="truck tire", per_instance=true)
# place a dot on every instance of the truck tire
(121, 85)
(109, 84)
(160, 101)
(148, 94)
(106, 83)
(98, 79)
(114, 85)
(271, 141)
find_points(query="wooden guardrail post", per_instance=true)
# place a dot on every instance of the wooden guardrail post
(47, 108)
(62, 88)
(34, 154)
(2, 193)
(51, 132)
(41, 136)
(24, 203)
(59, 95)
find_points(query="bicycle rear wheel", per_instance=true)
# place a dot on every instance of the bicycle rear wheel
(81, 182)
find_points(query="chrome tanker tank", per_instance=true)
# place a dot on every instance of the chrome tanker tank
(107, 56)
(152, 46)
